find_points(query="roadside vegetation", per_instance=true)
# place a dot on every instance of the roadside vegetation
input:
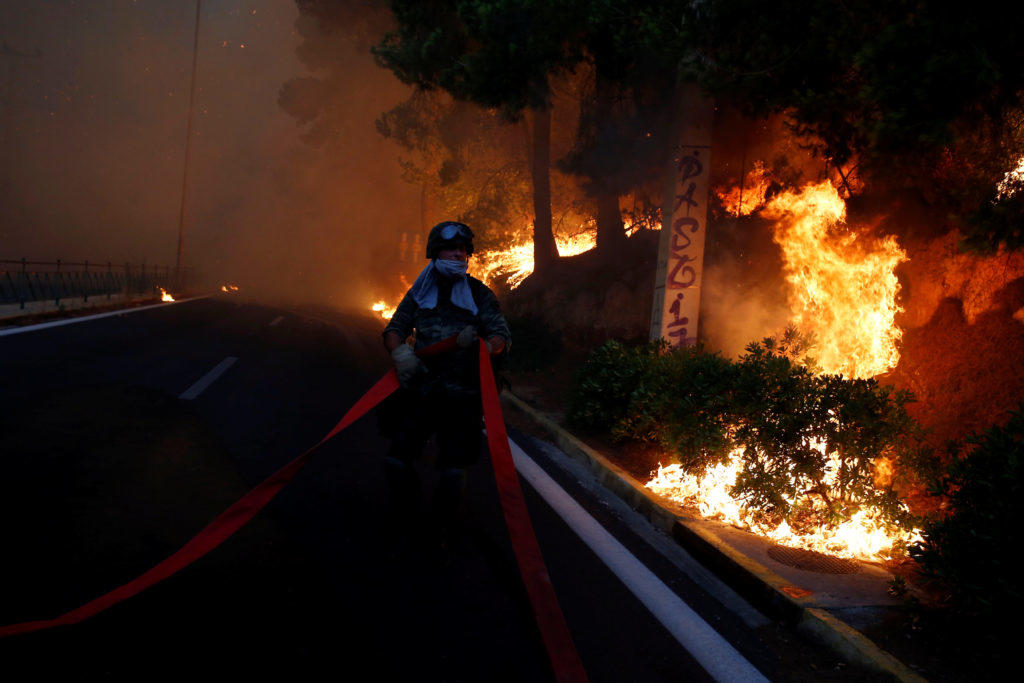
(811, 446)
(968, 553)
(792, 426)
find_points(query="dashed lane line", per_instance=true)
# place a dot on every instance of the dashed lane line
(206, 380)
(713, 652)
(276, 321)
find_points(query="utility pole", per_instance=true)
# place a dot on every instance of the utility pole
(677, 281)
(188, 150)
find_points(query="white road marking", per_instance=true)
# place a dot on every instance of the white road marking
(84, 318)
(713, 652)
(663, 544)
(276, 321)
(207, 379)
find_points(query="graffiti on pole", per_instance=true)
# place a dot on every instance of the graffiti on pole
(683, 250)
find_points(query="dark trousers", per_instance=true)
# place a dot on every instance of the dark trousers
(411, 419)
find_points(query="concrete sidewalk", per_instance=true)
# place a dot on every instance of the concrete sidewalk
(827, 600)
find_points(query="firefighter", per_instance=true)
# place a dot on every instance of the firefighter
(440, 395)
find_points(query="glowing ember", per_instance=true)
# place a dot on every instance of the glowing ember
(515, 263)
(745, 199)
(384, 310)
(164, 296)
(864, 536)
(1014, 177)
(228, 288)
(842, 285)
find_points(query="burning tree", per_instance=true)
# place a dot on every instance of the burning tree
(919, 96)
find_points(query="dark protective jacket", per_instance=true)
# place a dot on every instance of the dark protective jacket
(458, 372)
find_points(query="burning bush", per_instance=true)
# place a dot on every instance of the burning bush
(811, 443)
(971, 553)
(799, 450)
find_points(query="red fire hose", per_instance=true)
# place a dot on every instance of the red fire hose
(562, 652)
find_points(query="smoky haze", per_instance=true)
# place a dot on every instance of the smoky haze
(95, 105)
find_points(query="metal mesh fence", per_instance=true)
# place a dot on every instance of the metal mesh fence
(24, 281)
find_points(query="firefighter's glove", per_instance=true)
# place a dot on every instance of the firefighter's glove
(466, 337)
(407, 364)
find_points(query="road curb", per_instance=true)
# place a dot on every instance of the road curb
(758, 584)
(70, 320)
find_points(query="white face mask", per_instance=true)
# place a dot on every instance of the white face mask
(451, 269)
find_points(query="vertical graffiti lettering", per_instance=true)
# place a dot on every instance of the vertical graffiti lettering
(677, 291)
(685, 249)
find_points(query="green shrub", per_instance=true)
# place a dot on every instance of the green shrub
(682, 403)
(808, 443)
(605, 382)
(971, 553)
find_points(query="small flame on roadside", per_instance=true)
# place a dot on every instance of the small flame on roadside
(228, 288)
(864, 536)
(164, 296)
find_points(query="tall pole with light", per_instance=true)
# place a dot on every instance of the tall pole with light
(188, 150)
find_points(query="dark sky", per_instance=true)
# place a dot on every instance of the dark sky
(93, 146)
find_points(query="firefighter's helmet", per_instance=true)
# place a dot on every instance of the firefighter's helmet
(446, 235)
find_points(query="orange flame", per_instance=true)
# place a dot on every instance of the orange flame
(228, 288)
(164, 296)
(843, 291)
(748, 197)
(1015, 176)
(383, 309)
(512, 264)
(863, 536)
(842, 284)
(515, 263)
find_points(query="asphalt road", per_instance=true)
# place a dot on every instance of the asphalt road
(106, 471)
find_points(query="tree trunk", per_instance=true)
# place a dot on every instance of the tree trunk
(544, 250)
(611, 233)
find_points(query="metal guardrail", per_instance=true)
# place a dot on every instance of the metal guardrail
(29, 281)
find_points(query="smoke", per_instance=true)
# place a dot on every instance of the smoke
(93, 148)
(744, 291)
(744, 297)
